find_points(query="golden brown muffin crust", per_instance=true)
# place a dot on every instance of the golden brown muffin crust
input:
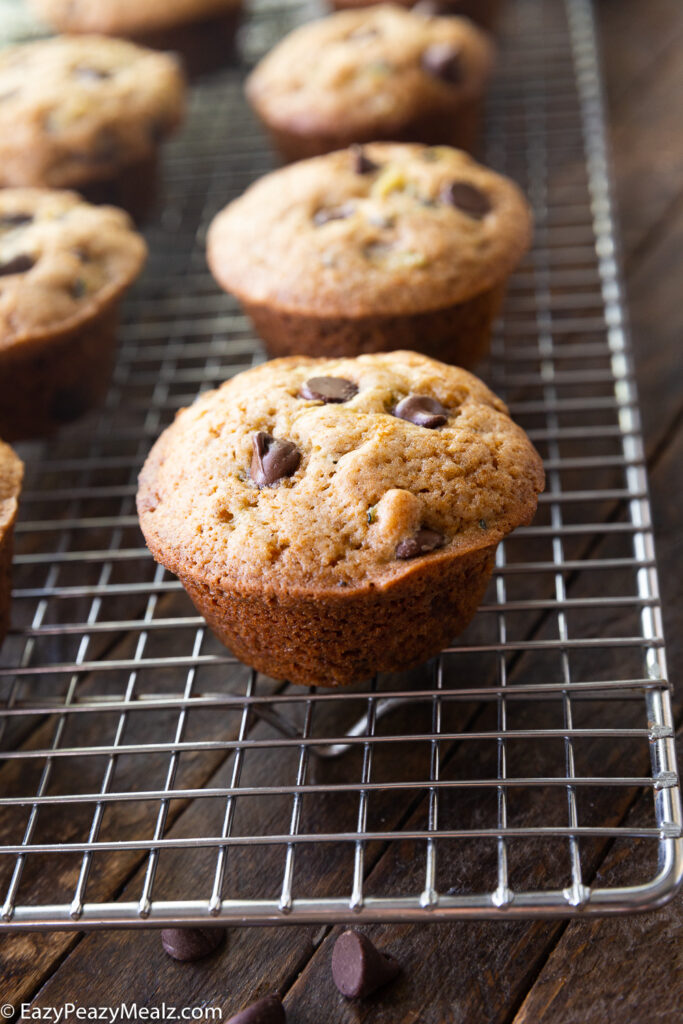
(363, 482)
(11, 475)
(129, 17)
(320, 238)
(363, 70)
(78, 109)
(61, 261)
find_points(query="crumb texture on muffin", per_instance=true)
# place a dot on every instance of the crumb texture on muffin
(367, 68)
(269, 484)
(61, 261)
(11, 475)
(75, 109)
(127, 16)
(386, 229)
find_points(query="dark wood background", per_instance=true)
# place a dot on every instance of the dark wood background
(627, 970)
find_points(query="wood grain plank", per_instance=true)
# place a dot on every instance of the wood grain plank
(635, 37)
(617, 969)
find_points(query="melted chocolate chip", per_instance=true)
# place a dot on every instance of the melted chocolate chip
(468, 198)
(323, 215)
(442, 60)
(78, 288)
(422, 543)
(265, 1011)
(17, 265)
(329, 389)
(272, 459)
(422, 410)
(362, 164)
(358, 968)
(191, 943)
(15, 220)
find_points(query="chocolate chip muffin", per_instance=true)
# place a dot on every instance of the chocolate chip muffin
(371, 249)
(87, 112)
(372, 74)
(334, 518)
(202, 31)
(11, 473)
(483, 12)
(64, 265)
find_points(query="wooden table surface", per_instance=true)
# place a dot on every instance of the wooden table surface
(627, 969)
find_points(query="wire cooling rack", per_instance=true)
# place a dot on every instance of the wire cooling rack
(146, 777)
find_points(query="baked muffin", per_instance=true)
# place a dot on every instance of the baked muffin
(484, 12)
(87, 112)
(366, 250)
(64, 265)
(202, 31)
(11, 473)
(335, 518)
(372, 74)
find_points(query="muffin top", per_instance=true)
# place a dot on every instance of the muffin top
(367, 69)
(61, 261)
(315, 474)
(387, 229)
(11, 474)
(77, 109)
(126, 16)
(425, 7)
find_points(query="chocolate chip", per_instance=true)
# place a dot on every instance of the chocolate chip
(422, 543)
(272, 459)
(15, 220)
(323, 215)
(422, 410)
(191, 943)
(467, 198)
(442, 60)
(265, 1011)
(329, 389)
(78, 288)
(358, 968)
(362, 164)
(88, 74)
(17, 265)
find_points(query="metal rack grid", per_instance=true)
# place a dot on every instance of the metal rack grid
(146, 777)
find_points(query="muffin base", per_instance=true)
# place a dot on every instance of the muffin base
(458, 334)
(134, 188)
(335, 639)
(47, 383)
(204, 45)
(458, 126)
(6, 549)
(482, 12)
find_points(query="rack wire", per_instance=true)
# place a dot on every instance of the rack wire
(146, 777)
